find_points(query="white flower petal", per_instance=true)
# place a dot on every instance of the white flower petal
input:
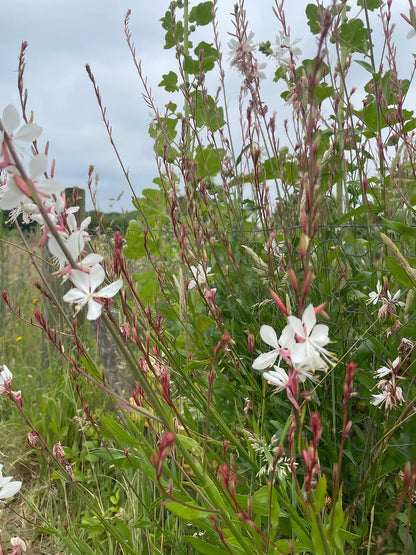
(10, 118)
(94, 310)
(265, 360)
(309, 318)
(110, 290)
(97, 276)
(91, 259)
(296, 325)
(38, 165)
(10, 489)
(28, 133)
(81, 280)
(269, 336)
(74, 295)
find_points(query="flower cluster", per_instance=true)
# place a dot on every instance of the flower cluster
(388, 301)
(390, 393)
(42, 199)
(301, 345)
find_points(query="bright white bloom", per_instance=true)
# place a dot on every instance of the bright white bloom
(311, 338)
(385, 370)
(85, 290)
(27, 133)
(8, 488)
(374, 296)
(199, 275)
(5, 379)
(285, 49)
(394, 299)
(269, 336)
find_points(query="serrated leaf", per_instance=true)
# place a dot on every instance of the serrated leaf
(201, 14)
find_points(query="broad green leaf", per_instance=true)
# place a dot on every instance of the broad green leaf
(167, 24)
(354, 35)
(312, 13)
(209, 161)
(365, 65)
(201, 14)
(209, 55)
(262, 503)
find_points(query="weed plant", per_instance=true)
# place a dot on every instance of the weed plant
(261, 301)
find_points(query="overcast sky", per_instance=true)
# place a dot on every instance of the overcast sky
(64, 35)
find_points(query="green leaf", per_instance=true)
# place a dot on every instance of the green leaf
(264, 502)
(365, 65)
(354, 35)
(399, 273)
(111, 428)
(201, 546)
(187, 513)
(167, 24)
(319, 493)
(312, 13)
(399, 227)
(206, 111)
(370, 4)
(201, 14)
(209, 56)
(170, 82)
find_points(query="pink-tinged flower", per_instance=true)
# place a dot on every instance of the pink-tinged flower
(277, 377)
(391, 394)
(8, 488)
(309, 344)
(15, 195)
(5, 379)
(27, 133)
(269, 336)
(85, 290)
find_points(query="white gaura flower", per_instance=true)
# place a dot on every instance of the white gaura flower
(265, 360)
(374, 296)
(27, 133)
(309, 344)
(285, 49)
(199, 275)
(85, 290)
(277, 377)
(385, 370)
(5, 379)
(8, 488)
